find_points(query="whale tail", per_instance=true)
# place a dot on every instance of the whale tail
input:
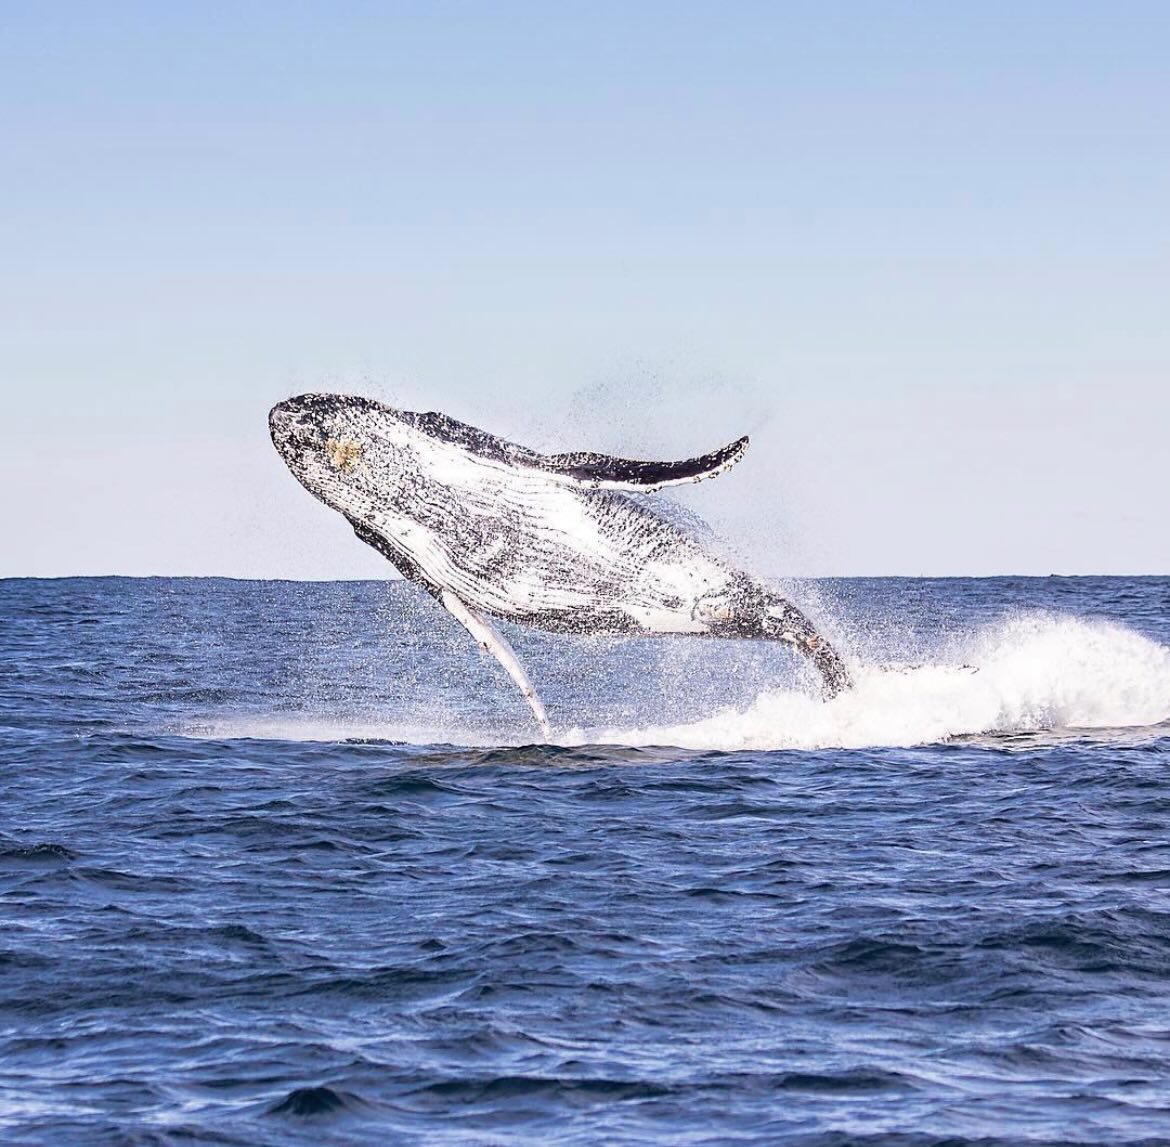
(797, 630)
(754, 611)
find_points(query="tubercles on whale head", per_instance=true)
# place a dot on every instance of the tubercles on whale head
(295, 425)
(306, 421)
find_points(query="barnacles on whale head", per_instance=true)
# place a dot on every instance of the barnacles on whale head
(344, 454)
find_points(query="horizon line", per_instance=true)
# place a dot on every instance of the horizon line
(392, 580)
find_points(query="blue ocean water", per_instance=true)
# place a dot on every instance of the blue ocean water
(279, 863)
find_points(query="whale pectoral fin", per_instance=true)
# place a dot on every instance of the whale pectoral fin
(490, 640)
(604, 472)
(579, 468)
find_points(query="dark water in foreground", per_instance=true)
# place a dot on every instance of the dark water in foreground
(225, 922)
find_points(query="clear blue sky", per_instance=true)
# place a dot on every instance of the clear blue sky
(920, 252)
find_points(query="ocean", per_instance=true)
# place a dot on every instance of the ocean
(281, 863)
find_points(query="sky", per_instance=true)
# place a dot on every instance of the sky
(920, 253)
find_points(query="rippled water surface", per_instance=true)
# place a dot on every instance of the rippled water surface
(279, 863)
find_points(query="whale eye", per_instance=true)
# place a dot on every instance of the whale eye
(344, 454)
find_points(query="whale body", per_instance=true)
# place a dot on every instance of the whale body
(558, 542)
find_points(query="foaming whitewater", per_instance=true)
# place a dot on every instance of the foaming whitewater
(1028, 673)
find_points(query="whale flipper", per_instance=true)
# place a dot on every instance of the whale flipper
(605, 472)
(490, 640)
(581, 468)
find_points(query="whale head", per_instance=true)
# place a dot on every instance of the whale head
(345, 450)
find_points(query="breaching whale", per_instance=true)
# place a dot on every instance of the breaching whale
(557, 542)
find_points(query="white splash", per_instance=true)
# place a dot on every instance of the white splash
(326, 730)
(1029, 673)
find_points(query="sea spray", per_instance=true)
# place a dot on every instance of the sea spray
(1028, 672)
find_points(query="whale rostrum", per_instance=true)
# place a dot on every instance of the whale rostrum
(560, 542)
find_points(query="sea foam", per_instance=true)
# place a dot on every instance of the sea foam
(1030, 673)
(1026, 673)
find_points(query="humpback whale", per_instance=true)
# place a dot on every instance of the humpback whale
(559, 542)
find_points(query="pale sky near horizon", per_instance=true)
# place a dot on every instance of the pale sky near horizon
(921, 253)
